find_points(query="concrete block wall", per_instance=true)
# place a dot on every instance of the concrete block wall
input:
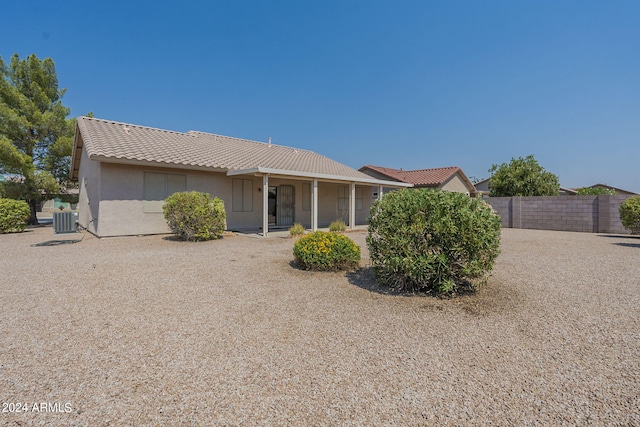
(591, 214)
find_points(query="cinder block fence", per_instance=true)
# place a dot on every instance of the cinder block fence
(591, 214)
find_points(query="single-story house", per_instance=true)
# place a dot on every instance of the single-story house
(126, 171)
(448, 178)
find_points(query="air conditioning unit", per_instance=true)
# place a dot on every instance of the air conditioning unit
(65, 222)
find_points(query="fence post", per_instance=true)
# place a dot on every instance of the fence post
(604, 213)
(516, 212)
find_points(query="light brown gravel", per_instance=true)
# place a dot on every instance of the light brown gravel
(151, 331)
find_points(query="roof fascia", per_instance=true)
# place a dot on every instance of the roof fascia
(76, 154)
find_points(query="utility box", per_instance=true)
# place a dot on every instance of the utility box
(65, 222)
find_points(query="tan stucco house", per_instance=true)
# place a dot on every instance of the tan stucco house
(448, 178)
(125, 172)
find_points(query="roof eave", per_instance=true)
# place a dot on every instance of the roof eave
(321, 176)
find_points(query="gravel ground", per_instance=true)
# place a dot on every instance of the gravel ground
(151, 331)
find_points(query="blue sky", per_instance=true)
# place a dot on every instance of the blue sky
(403, 84)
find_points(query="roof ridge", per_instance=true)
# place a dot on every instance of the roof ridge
(251, 140)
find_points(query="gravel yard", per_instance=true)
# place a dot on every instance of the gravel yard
(152, 331)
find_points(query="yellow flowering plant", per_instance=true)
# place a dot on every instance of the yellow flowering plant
(326, 251)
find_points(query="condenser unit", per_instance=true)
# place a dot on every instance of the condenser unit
(65, 222)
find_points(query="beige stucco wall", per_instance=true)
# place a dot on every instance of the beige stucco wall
(112, 199)
(456, 184)
(89, 193)
(122, 199)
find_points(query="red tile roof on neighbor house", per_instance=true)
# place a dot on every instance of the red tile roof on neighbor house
(420, 178)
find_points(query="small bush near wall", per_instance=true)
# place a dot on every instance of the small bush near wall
(431, 240)
(630, 214)
(296, 230)
(14, 215)
(326, 251)
(338, 226)
(195, 216)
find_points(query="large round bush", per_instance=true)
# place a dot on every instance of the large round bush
(326, 251)
(195, 216)
(431, 240)
(630, 214)
(14, 215)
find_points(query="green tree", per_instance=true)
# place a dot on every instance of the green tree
(36, 138)
(594, 191)
(522, 177)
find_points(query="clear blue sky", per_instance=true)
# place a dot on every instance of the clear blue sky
(403, 84)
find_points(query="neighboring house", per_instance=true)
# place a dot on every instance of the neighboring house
(448, 178)
(125, 172)
(483, 189)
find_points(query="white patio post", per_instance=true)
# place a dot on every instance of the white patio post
(314, 205)
(380, 187)
(352, 206)
(265, 205)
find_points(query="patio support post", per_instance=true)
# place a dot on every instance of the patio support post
(314, 205)
(265, 205)
(380, 188)
(352, 206)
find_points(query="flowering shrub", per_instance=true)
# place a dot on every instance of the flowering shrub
(195, 216)
(326, 251)
(630, 214)
(431, 240)
(14, 215)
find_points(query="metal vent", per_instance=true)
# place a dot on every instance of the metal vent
(65, 222)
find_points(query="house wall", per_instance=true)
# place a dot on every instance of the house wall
(328, 204)
(122, 199)
(89, 193)
(456, 184)
(592, 214)
(112, 199)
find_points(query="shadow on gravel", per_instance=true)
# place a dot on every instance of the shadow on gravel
(620, 236)
(628, 245)
(57, 242)
(491, 298)
(365, 279)
(623, 236)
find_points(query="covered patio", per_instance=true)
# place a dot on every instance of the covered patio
(314, 179)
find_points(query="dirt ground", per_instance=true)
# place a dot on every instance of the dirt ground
(151, 331)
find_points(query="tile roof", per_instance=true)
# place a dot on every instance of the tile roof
(420, 178)
(118, 142)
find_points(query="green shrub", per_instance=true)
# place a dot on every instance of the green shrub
(594, 191)
(338, 226)
(296, 230)
(14, 215)
(326, 251)
(630, 214)
(195, 216)
(431, 240)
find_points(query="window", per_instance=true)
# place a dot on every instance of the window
(159, 186)
(306, 196)
(242, 195)
(343, 198)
